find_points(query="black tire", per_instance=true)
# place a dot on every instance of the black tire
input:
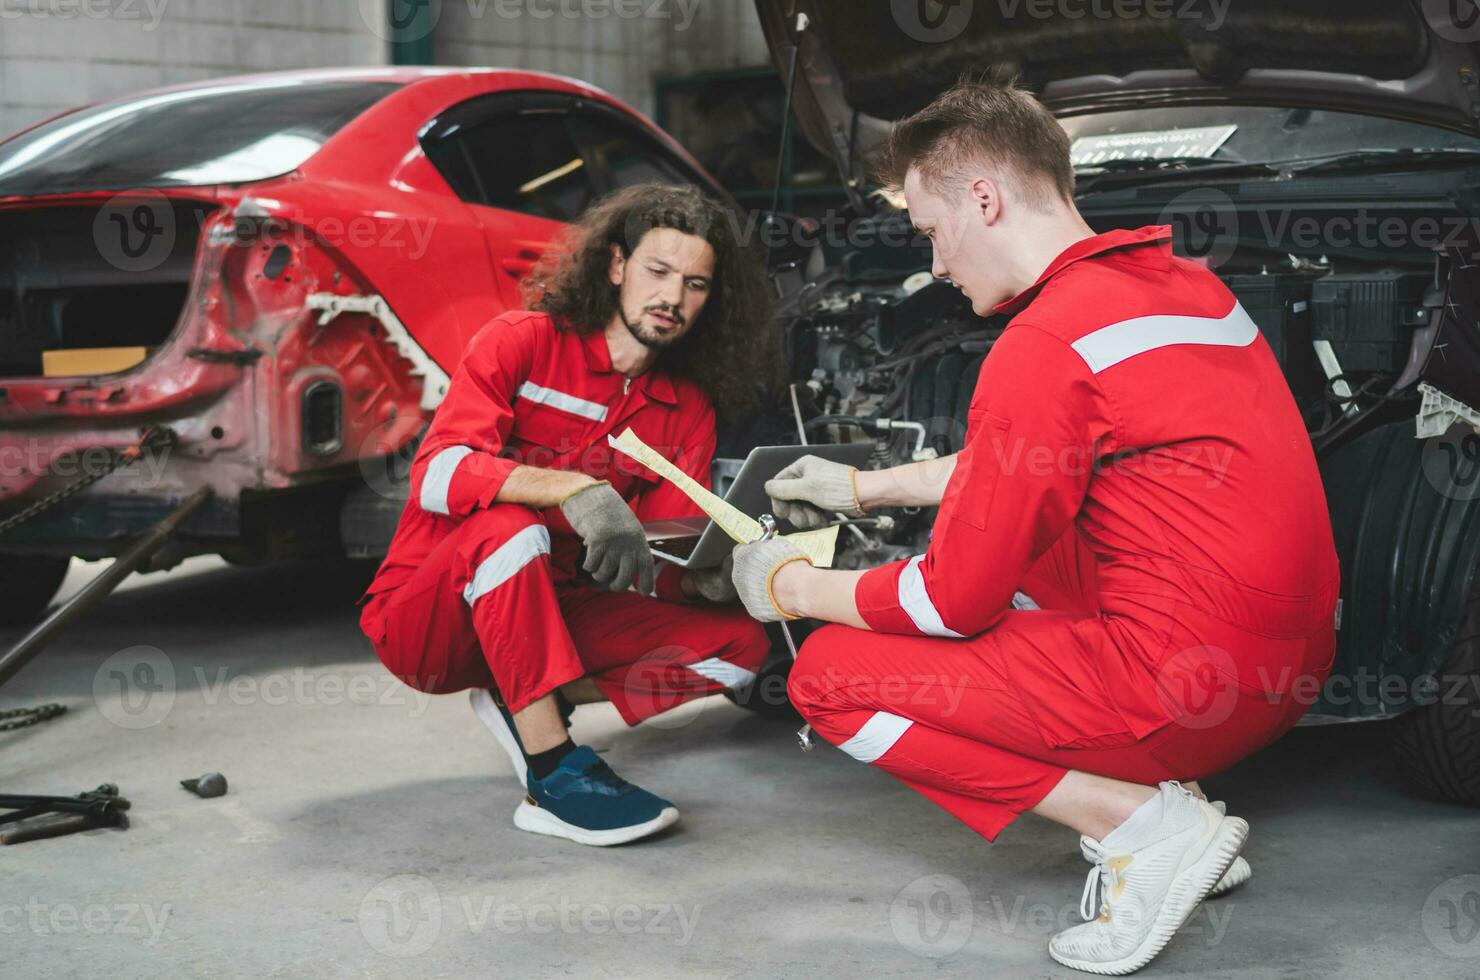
(1438, 745)
(28, 583)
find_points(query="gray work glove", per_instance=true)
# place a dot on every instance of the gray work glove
(616, 548)
(808, 492)
(716, 584)
(755, 563)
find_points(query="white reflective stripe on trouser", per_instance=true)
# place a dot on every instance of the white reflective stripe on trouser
(563, 401)
(438, 478)
(915, 601)
(723, 672)
(1112, 344)
(506, 560)
(1021, 600)
(876, 737)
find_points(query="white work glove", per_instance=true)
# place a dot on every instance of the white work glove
(808, 492)
(755, 565)
(716, 584)
(616, 547)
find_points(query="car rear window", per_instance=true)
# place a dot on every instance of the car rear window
(221, 134)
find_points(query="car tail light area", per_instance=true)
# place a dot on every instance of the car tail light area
(93, 289)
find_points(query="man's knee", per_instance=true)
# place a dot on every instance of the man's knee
(498, 522)
(818, 668)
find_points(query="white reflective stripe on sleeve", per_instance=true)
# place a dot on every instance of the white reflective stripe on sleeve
(723, 672)
(562, 401)
(493, 571)
(1110, 345)
(438, 478)
(1021, 600)
(916, 601)
(876, 737)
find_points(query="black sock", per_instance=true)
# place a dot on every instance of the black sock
(541, 764)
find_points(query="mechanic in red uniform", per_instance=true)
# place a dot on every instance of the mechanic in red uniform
(1131, 579)
(481, 587)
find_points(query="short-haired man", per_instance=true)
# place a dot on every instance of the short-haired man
(1131, 576)
(645, 314)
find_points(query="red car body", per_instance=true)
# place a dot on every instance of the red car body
(377, 238)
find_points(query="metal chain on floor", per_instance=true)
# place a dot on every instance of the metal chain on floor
(154, 437)
(22, 717)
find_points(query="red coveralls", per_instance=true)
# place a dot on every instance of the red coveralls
(1131, 572)
(474, 593)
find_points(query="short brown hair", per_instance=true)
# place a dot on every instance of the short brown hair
(990, 122)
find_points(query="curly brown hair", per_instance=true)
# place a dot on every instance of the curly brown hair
(733, 351)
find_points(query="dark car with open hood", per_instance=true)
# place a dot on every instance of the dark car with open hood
(1321, 156)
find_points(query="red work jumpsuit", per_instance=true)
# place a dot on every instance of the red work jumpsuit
(1131, 572)
(478, 593)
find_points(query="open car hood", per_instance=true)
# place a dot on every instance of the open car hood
(863, 63)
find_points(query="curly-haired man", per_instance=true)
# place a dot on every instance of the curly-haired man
(649, 314)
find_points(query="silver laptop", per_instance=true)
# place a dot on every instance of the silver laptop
(698, 542)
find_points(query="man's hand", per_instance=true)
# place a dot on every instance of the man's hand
(715, 584)
(808, 492)
(616, 548)
(755, 564)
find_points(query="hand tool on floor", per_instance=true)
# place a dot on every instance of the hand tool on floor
(37, 817)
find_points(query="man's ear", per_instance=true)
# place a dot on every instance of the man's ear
(985, 195)
(618, 266)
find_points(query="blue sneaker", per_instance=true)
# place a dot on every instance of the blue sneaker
(492, 711)
(584, 801)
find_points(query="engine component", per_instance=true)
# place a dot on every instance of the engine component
(1362, 315)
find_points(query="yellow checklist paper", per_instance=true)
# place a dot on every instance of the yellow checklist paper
(817, 545)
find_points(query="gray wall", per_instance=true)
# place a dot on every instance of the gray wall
(55, 54)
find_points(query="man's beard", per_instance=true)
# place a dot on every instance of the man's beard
(650, 338)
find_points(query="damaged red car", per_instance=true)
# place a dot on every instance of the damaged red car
(258, 288)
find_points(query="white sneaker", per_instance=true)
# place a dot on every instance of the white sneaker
(501, 723)
(1238, 872)
(1152, 872)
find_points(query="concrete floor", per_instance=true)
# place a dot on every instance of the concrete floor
(367, 831)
